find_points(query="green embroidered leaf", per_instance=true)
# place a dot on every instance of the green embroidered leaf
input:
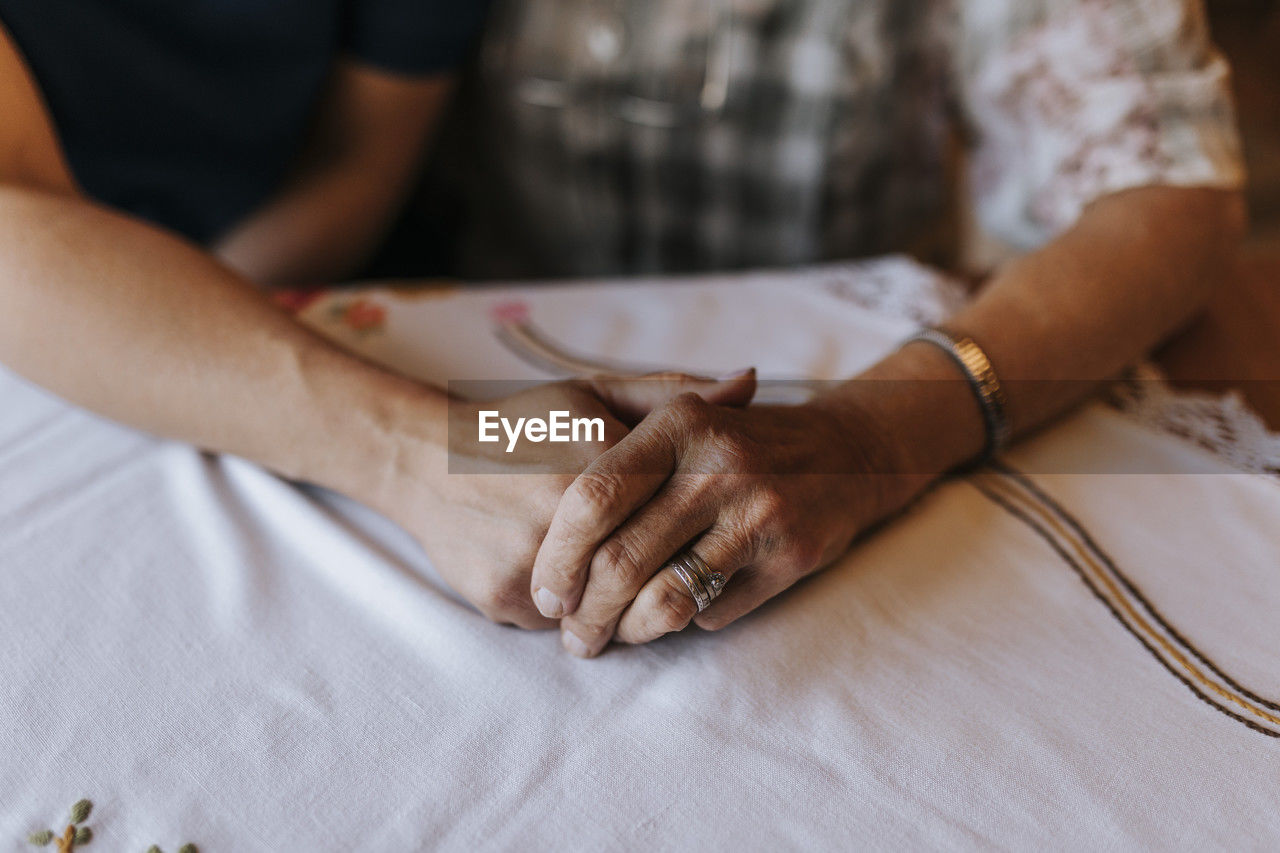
(40, 839)
(80, 811)
(84, 835)
(188, 848)
(154, 848)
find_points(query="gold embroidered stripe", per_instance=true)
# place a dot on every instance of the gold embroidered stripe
(1018, 495)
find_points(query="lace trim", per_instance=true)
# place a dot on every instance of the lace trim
(1223, 424)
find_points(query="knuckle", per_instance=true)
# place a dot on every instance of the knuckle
(661, 608)
(592, 492)
(621, 561)
(770, 508)
(725, 452)
(734, 542)
(734, 445)
(716, 459)
(694, 492)
(561, 579)
(688, 410)
(672, 608)
(589, 632)
(688, 402)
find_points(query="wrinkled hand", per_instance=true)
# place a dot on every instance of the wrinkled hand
(482, 530)
(764, 495)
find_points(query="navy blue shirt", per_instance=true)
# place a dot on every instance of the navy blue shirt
(190, 113)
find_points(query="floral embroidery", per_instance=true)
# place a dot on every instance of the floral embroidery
(509, 311)
(76, 834)
(361, 315)
(1074, 147)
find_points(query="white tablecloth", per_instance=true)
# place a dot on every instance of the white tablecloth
(213, 655)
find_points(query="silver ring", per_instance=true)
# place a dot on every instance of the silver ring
(703, 584)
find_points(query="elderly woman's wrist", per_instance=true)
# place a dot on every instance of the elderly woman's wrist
(860, 440)
(915, 415)
(863, 443)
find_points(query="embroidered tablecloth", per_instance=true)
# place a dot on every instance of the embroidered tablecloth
(1077, 647)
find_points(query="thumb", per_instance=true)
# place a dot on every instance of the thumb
(631, 398)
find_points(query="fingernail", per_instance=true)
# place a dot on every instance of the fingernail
(573, 645)
(737, 374)
(548, 604)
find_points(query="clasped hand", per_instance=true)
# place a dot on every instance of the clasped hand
(579, 534)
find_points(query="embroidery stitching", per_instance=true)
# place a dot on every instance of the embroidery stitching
(76, 833)
(361, 315)
(1020, 497)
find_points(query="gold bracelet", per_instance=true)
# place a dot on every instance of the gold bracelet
(982, 379)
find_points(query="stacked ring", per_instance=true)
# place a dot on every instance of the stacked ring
(703, 584)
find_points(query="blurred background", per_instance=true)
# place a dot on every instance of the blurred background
(1236, 344)
(1238, 341)
(1248, 32)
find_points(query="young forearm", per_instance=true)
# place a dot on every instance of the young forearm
(1058, 322)
(137, 325)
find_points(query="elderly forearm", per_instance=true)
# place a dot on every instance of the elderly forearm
(1059, 321)
(137, 325)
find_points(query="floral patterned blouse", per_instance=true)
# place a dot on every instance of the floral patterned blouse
(606, 136)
